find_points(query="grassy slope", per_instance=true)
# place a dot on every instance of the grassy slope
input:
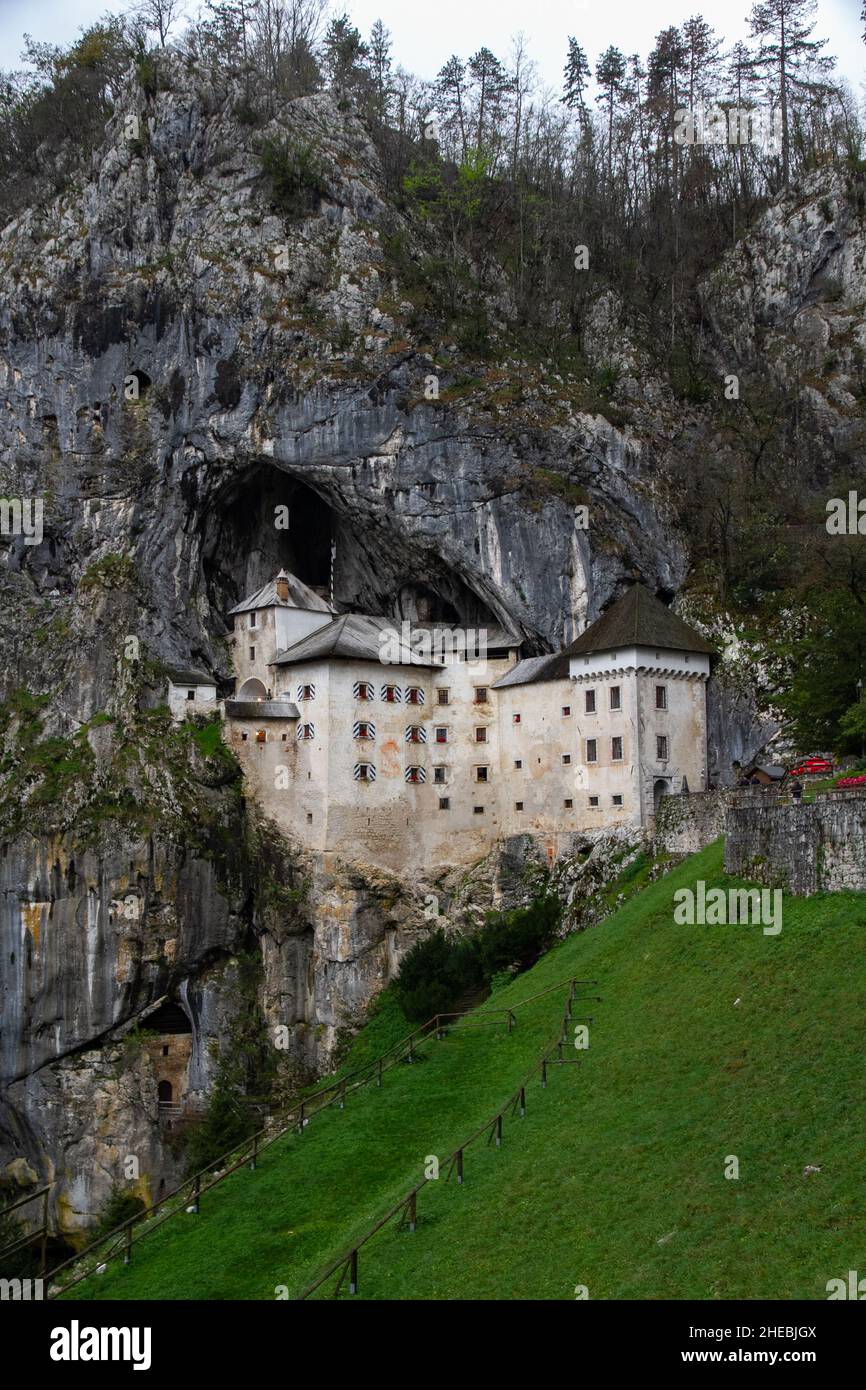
(616, 1178)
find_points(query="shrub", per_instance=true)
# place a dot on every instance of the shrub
(297, 177)
(121, 1205)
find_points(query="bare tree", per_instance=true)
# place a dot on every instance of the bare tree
(160, 16)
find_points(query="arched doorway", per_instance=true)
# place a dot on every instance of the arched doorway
(164, 1092)
(661, 789)
(252, 690)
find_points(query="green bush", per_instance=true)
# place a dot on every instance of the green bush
(297, 177)
(121, 1205)
(436, 971)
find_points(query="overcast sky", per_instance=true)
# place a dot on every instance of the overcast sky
(427, 32)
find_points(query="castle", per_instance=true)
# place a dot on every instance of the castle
(379, 744)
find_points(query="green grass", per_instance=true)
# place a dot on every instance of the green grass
(615, 1180)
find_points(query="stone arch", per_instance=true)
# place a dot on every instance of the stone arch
(164, 1092)
(661, 789)
(252, 689)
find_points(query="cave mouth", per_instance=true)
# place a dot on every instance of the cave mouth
(267, 519)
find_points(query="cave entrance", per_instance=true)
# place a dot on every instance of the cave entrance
(260, 523)
(164, 1093)
(661, 789)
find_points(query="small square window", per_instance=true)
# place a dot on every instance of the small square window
(617, 801)
(444, 803)
(616, 750)
(566, 711)
(569, 802)
(481, 735)
(190, 694)
(589, 702)
(592, 750)
(566, 758)
(518, 762)
(515, 718)
(443, 696)
(244, 738)
(593, 801)
(661, 697)
(440, 774)
(478, 810)
(481, 694)
(615, 697)
(518, 805)
(441, 735)
(481, 774)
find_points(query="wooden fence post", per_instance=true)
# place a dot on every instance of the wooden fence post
(379, 1073)
(43, 1250)
(353, 1272)
(544, 1072)
(254, 1153)
(196, 1194)
(413, 1211)
(343, 1096)
(499, 1131)
(301, 1118)
(523, 1102)
(127, 1254)
(460, 1165)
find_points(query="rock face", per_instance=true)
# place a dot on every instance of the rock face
(178, 359)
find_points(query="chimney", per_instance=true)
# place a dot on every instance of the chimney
(282, 583)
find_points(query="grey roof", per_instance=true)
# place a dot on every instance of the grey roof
(177, 676)
(261, 709)
(774, 770)
(358, 636)
(532, 668)
(300, 596)
(638, 619)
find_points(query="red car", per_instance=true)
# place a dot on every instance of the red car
(811, 765)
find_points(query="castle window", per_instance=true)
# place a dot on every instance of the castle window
(518, 762)
(566, 711)
(306, 731)
(661, 697)
(261, 735)
(440, 774)
(165, 1049)
(283, 738)
(518, 805)
(364, 729)
(617, 801)
(481, 735)
(481, 694)
(569, 802)
(592, 750)
(416, 775)
(444, 803)
(362, 690)
(392, 694)
(244, 738)
(364, 772)
(515, 718)
(414, 695)
(440, 734)
(309, 818)
(478, 810)
(415, 734)
(616, 697)
(443, 696)
(593, 801)
(481, 774)
(306, 692)
(661, 747)
(566, 758)
(252, 620)
(190, 694)
(252, 653)
(589, 701)
(616, 750)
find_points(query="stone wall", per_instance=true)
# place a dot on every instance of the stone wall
(685, 824)
(805, 849)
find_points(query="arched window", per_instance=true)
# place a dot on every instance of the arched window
(164, 1092)
(252, 690)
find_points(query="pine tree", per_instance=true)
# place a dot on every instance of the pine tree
(786, 51)
(380, 66)
(610, 73)
(452, 98)
(577, 73)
